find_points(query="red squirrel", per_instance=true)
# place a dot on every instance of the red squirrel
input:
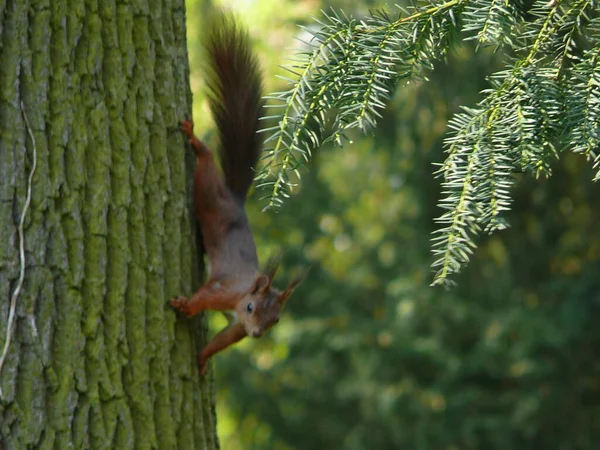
(235, 283)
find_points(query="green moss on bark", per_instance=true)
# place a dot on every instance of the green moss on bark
(99, 360)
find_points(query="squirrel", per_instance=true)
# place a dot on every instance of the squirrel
(235, 284)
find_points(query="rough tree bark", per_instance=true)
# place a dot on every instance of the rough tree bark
(98, 360)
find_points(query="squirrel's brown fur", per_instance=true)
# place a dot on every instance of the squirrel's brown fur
(235, 283)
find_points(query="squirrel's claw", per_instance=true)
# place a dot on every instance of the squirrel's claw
(187, 126)
(181, 304)
(202, 363)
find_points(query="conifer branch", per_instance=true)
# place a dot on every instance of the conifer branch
(545, 101)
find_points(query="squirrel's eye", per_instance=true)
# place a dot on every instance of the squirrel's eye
(249, 307)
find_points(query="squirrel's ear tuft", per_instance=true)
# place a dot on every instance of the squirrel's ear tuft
(272, 266)
(293, 285)
(261, 284)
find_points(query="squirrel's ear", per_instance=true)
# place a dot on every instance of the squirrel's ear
(293, 285)
(272, 266)
(261, 284)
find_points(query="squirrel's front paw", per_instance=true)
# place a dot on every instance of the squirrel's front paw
(181, 304)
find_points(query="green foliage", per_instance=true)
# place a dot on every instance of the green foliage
(544, 101)
(368, 356)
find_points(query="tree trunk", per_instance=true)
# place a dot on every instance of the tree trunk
(97, 359)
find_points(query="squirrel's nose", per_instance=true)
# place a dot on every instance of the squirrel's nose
(256, 334)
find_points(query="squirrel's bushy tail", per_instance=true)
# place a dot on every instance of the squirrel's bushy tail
(234, 90)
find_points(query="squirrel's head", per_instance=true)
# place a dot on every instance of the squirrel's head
(260, 308)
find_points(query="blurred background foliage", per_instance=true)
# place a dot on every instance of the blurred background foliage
(368, 356)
